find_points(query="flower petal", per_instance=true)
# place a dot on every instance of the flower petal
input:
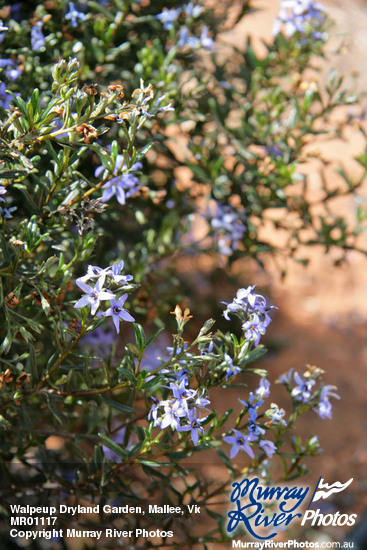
(125, 315)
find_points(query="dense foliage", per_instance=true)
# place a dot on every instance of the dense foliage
(132, 139)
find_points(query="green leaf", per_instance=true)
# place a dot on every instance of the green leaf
(177, 455)
(154, 336)
(224, 458)
(54, 411)
(151, 472)
(28, 337)
(118, 406)
(253, 355)
(35, 102)
(143, 151)
(153, 382)
(139, 337)
(135, 448)
(206, 327)
(44, 303)
(113, 446)
(128, 374)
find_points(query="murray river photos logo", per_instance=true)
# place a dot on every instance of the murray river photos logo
(263, 511)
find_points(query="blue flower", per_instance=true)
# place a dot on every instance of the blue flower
(240, 442)
(194, 426)
(186, 40)
(115, 272)
(302, 392)
(253, 310)
(300, 16)
(172, 414)
(263, 390)
(94, 272)
(153, 413)
(277, 414)
(232, 370)
(180, 412)
(73, 14)
(93, 295)
(6, 212)
(168, 17)
(274, 150)
(5, 98)
(2, 192)
(193, 10)
(252, 403)
(324, 408)
(201, 401)
(11, 71)
(164, 108)
(180, 374)
(268, 447)
(206, 41)
(229, 225)
(286, 378)
(123, 185)
(253, 329)
(182, 394)
(117, 312)
(253, 428)
(2, 29)
(38, 41)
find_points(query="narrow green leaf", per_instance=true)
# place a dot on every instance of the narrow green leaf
(113, 446)
(143, 151)
(118, 406)
(154, 336)
(129, 375)
(151, 472)
(139, 337)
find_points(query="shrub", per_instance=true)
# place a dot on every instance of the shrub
(103, 106)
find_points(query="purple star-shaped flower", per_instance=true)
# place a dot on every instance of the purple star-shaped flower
(263, 390)
(232, 369)
(93, 272)
(277, 414)
(286, 378)
(37, 39)
(253, 428)
(5, 98)
(207, 41)
(6, 212)
(168, 17)
(240, 442)
(172, 415)
(115, 272)
(93, 295)
(194, 426)
(302, 392)
(181, 393)
(254, 329)
(73, 14)
(324, 408)
(117, 312)
(122, 185)
(268, 447)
